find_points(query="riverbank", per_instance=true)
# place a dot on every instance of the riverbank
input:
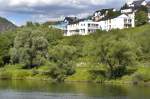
(14, 72)
(82, 74)
(140, 76)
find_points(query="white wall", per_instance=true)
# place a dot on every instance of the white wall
(82, 28)
(116, 23)
(126, 11)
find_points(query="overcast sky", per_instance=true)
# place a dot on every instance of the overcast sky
(20, 11)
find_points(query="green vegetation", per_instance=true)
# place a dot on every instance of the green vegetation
(35, 51)
(141, 17)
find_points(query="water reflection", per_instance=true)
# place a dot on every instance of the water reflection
(47, 90)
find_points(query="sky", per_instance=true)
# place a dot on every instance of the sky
(21, 11)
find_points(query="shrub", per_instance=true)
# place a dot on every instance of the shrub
(20, 74)
(5, 75)
(137, 78)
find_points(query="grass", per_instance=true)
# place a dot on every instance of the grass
(15, 72)
(141, 74)
(81, 75)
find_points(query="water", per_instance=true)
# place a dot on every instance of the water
(46, 90)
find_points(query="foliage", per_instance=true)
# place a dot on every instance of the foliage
(30, 48)
(116, 54)
(37, 51)
(6, 41)
(141, 75)
(62, 56)
(141, 18)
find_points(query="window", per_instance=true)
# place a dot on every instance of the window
(125, 20)
(109, 27)
(82, 30)
(130, 20)
(109, 21)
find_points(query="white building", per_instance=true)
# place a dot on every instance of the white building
(120, 22)
(87, 27)
(82, 28)
(99, 14)
(137, 3)
(148, 6)
(128, 10)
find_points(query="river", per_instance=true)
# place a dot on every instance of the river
(16, 89)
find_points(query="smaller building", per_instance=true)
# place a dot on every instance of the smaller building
(133, 6)
(62, 25)
(137, 3)
(99, 14)
(120, 22)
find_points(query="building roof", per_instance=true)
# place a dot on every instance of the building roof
(74, 20)
(138, 3)
(117, 16)
(111, 15)
(103, 11)
(148, 4)
(71, 19)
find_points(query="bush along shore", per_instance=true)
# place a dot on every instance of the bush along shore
(38, 52)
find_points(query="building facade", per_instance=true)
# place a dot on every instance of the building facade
(137, 3)
(82, 28)
(99, 14)
(87, 27)
(121, 22)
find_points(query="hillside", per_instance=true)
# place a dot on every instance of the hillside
(40, 52)
(6, 25)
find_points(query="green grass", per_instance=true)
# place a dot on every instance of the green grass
(15, 72)
(81, 74)
(142, 74)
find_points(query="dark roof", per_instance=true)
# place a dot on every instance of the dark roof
(126, 6)
(103, 11)
(71, 19)
(137, 3)
(111, 14)
(79, 20)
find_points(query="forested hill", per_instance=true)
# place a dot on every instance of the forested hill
(6, 25)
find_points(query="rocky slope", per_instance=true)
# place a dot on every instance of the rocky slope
(6, 25)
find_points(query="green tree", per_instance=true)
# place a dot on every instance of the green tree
(30, 48)
(116, 54)
(63, 56)
(141, 18)
(4, 49)
(6, 41)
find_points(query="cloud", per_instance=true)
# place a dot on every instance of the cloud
(33, 3)
(41, 10)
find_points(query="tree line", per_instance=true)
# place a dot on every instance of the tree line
(106, 54)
